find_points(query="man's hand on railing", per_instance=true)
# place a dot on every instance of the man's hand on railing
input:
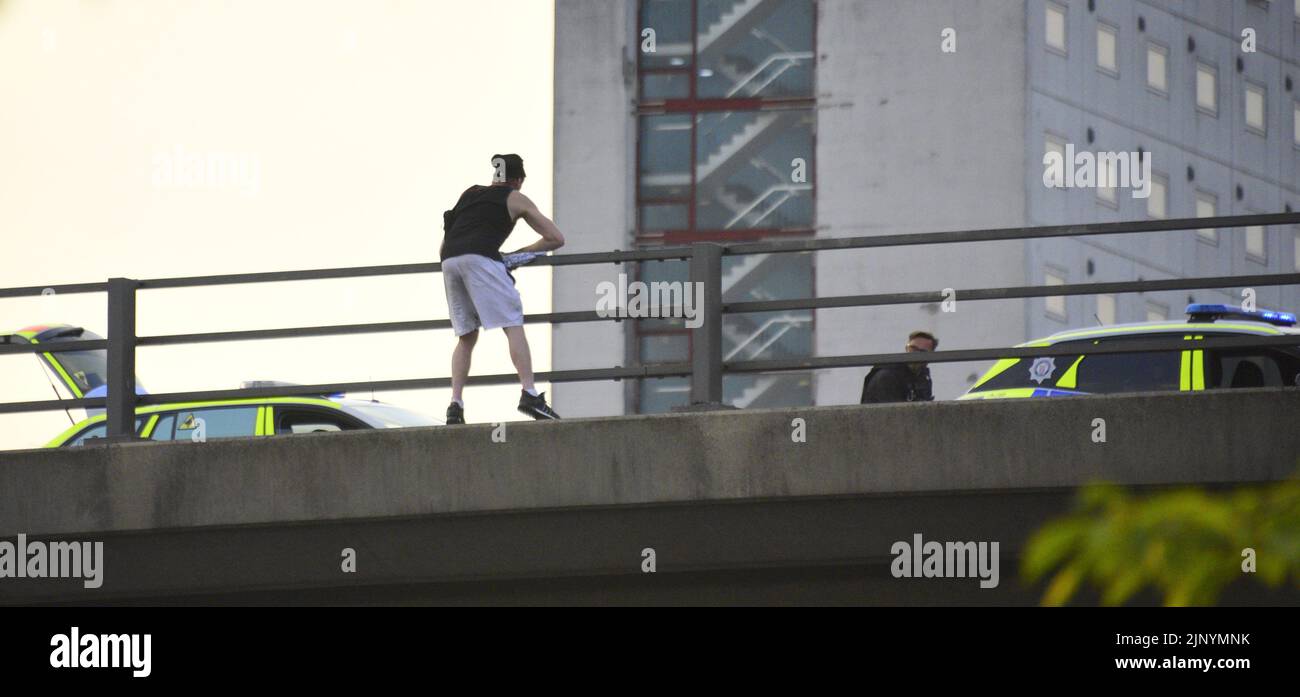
(514, 260)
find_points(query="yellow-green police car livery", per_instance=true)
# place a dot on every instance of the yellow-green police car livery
(1183, 367)
(78, 374)
(235, 418)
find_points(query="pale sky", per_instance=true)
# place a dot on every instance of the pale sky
(158, 138)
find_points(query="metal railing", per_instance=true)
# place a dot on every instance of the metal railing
(706, 365)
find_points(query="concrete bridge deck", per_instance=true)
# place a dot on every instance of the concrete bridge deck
(734, 507)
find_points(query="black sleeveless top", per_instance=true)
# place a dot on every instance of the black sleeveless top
(479, 224)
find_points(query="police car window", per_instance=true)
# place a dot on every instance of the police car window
(217, 422)
(97, 431)
(92, 433)
(163, 429)
(1106, 373)
(86, 368)
(1245, 369)
(309, 421)
(1033, 371)
(1289, 364)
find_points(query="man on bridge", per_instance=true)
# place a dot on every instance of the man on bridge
(480, 290)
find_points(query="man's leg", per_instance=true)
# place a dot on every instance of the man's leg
(521, 356)
(460, 359)
(530, 402)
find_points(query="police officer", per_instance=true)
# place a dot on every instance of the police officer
(898, 382)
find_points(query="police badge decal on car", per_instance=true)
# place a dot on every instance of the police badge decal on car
(1042, 369)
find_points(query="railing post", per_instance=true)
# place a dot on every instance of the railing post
(120, 402)
(706, 339)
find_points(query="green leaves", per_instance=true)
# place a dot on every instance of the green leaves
(1188, 544)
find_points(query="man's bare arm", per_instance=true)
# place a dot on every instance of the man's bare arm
(521, 206)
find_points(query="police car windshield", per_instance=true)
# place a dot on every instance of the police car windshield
(88, 369)
(388, 416)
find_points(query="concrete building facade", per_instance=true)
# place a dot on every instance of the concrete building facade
(681, 120)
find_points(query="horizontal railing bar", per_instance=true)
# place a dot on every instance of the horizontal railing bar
(681, 252)
(1014, 292)
(65, 289)
(51, 405)
(648, 254)
(618, 373)
(557, 376)
(276, 276)
(660, 254)
(292, 332)
(757, 306)
(345, 329)
(55, 347)
(985, 354)
(1019, 233)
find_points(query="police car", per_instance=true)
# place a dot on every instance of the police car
(1183, 367)
(259, 416)
(78, 374)
(75, 374)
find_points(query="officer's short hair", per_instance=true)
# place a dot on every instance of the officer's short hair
(922, 334)
(514, 166)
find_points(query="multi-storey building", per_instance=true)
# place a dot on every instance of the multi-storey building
(686, 120)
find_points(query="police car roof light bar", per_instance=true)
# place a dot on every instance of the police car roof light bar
(1206, 312)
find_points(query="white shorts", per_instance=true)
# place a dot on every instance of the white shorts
(480, 294)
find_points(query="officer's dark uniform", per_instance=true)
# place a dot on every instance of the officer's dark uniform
(896, 383)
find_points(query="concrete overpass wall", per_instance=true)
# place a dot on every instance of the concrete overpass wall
(576, 501)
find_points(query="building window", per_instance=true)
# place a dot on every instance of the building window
(1053, 144)
(1106, 309)
(1056, 27)
(1106, 179)
(1256, 245)
(1158, 201)
(1206, 206)
(1207, 89)
(1295, 120)
(1255, 108)
(1158, 68)
(1055, 303)
(1295, 249)
(1297, 10)
(1106, 193)
(1157, 312)
(1106, 40)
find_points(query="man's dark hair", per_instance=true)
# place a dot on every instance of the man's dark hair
(922, 334)
(514, 167)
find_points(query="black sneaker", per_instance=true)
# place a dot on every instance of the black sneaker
(536, 406)
(455, 414)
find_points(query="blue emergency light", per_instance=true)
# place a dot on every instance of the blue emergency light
(1205, 312)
